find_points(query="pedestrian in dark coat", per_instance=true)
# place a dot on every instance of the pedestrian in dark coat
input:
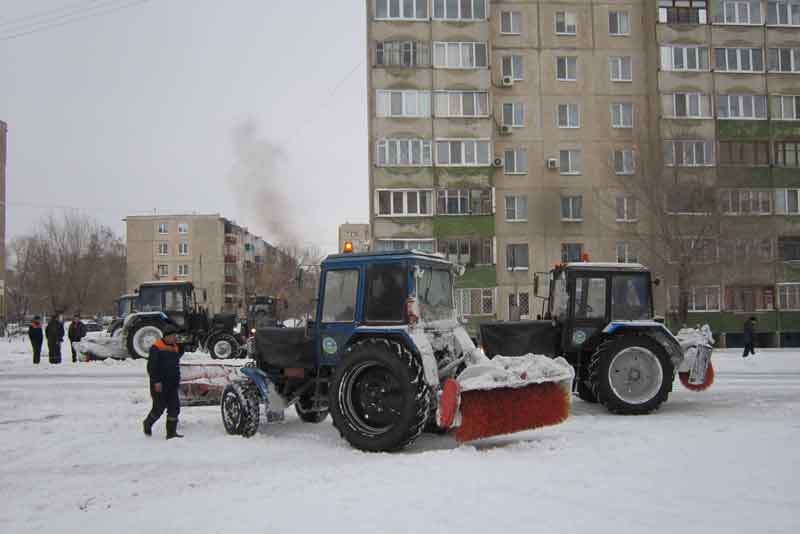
(55, 335)
(163, 366)
(749, 336)
(36, 336)
(76, 332)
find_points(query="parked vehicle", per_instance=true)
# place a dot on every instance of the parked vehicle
(599, 317)
(382, 349)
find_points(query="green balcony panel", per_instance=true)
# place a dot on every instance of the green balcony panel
(785, 177)
(463, 225)
(733, 129)
(482, 277)
(464, 177)
(741, 176)
(785, 130)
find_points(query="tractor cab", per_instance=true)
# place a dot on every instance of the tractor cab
(175, 299)
(125, 305)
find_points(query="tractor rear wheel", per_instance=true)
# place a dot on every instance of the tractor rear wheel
(142, 336)
(223, 346)
(379, 398)
(631, 374)
(240, 408)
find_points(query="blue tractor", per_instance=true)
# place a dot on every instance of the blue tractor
(383, 341)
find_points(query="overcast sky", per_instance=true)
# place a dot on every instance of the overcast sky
(137, 110)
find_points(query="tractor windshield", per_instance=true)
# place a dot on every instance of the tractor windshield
(435, 294)
(630, 297)
(560, 298)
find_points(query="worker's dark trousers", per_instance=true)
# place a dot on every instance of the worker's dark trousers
(54, 351)
(166, 400)
(37, 351)
(748, 349)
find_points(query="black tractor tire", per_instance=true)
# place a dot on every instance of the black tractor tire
(141, 328)
(303, 409)
(649, 370)
(240, 407)
(216, 341)
(375, 378)
(584, 391)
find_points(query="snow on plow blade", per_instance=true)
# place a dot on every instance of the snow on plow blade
(505, 395)
(202, 383)
(101, 347)
(696, 371)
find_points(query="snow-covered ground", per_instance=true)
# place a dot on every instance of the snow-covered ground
(73, 459)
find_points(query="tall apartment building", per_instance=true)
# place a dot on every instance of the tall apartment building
(503, 133)
(3, 157)
(211, 251)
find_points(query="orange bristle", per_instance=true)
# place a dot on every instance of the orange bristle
(698, 387)
(486, 413)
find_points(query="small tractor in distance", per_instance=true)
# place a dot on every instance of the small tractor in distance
(599, 317)
(382, 354)
(160, 303)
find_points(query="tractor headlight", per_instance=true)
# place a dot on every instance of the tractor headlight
(252, 330)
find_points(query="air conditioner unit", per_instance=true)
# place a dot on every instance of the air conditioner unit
(505, 129)
(507, 81)
(498, 162)
(552, 163)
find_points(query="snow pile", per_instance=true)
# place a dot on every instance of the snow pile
(101, 347)
(516, 372)
(692, 337)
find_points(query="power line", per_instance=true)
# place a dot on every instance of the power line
(95, 12)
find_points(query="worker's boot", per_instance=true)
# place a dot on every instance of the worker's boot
(172, 429)
(147, 426)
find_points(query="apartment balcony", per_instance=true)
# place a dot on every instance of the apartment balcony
(454, 225)
(231, 239)
(230, 258)
(231, 280)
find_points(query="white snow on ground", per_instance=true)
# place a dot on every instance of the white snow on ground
(74, 460)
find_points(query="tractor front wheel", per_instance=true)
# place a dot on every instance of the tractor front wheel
(141, 337)
(379, 398)
(631, 375)
(223, 346)
(240, 408)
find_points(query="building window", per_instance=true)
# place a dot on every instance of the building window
(750, 298)
(619, 23)
(401, 9)
(786, 201)
(519, 305)
(739, 59)
(743, 153)
(783, 59)
(742, 106)
(567, 68)
(688, 153)
(566, 23)
(700, 299)
(516, 208)
(404, 203)
(461, 104)
(783, 12)
(620, 67)
(789, 296)
(626, 253)
(695, 250)
(627, 209)
(568, 116)
(571, 252)
(163, 248)
(738, 12)
(570, 162)
(464, 202)
(463, 152)
(403, 54)
(459, 55)
(696, 200)
(687, 105)
(403, 103)
(510, 22)
(183, 228)
(787, 107)
(572, 208)
(682, 11)
(459, 10)
(512, 66)
(183, 248)
(622, 115)
(163, 228)
(475, 301)
(746, 250)
(517, 257)
(624, 162)
(163, 270)
(787, 153)
(467, 251)
(183, 269)
(515, 161)
(789, 248)
(684, 58)
(514, 114)
(404, 153)
(423, 245)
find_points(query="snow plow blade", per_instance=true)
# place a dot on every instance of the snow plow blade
(506, 395)
(202, 383)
